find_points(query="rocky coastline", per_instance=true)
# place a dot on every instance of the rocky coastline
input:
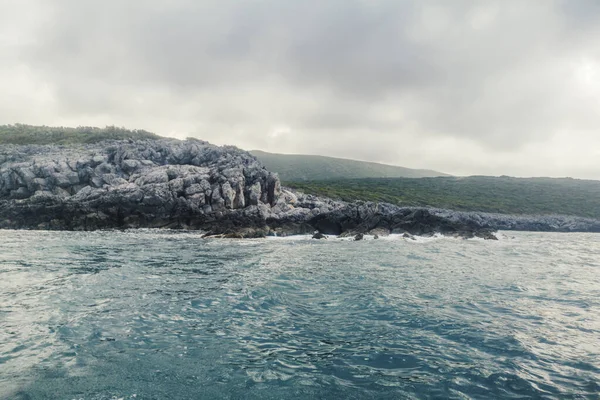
(195, 185)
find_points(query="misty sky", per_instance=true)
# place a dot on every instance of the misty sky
(465, 87)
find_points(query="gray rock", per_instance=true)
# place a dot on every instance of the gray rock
(38, 184)
(97, 182)
(196, 185)
(20, 193)
(97, 160)
(486, 234)
(158, 175)
(193, 189)
(228, 195)
(177, 186)
(104, 168)
(60, 180)
(254, 194)
(113, 180)
(129, 166)
(216, 200)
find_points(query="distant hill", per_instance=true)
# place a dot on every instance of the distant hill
(297, 167)
(29, 134)
(504, 195)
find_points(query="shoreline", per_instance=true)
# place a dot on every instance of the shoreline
(194, 185)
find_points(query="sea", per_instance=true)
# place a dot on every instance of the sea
(153, 314)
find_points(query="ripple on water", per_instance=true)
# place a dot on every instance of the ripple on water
(153, 314)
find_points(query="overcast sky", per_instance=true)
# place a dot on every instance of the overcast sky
(465, 87)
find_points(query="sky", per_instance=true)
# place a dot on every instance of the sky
(506, 87)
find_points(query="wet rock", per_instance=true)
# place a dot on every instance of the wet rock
(319, 235)
(233, 235)
(486, 235)
(359, 236)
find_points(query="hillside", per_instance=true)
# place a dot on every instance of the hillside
(353, 180)
(29, 134)
(297, 167)
(538, 196)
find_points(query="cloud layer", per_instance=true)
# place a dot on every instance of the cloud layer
(466, 87)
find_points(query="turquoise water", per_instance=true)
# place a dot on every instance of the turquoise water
(163, 315)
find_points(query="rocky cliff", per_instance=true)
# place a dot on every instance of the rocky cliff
(195, 185)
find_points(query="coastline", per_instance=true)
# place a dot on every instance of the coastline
(194, 185)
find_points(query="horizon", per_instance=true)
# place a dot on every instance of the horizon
(469, 88)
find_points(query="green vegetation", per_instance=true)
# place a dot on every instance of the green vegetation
(28, 134)
(477, 193)
(296, 167)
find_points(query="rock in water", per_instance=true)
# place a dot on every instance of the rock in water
(359, 236)
(319, 235)
(486, 234)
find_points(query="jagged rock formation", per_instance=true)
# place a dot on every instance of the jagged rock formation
(151, 183)
(195, 185)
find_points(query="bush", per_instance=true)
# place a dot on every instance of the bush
(541, 196)
(28, 134)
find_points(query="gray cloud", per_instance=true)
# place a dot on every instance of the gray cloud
(496, 87)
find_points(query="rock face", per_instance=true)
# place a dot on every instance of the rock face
(195, 185)
(152, 183)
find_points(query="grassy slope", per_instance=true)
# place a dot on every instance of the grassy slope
(478, 193)
(295, 167)
(28, 134)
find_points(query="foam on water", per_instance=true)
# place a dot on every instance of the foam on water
(157, 314)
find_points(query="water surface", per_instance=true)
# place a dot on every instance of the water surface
(164, 315)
